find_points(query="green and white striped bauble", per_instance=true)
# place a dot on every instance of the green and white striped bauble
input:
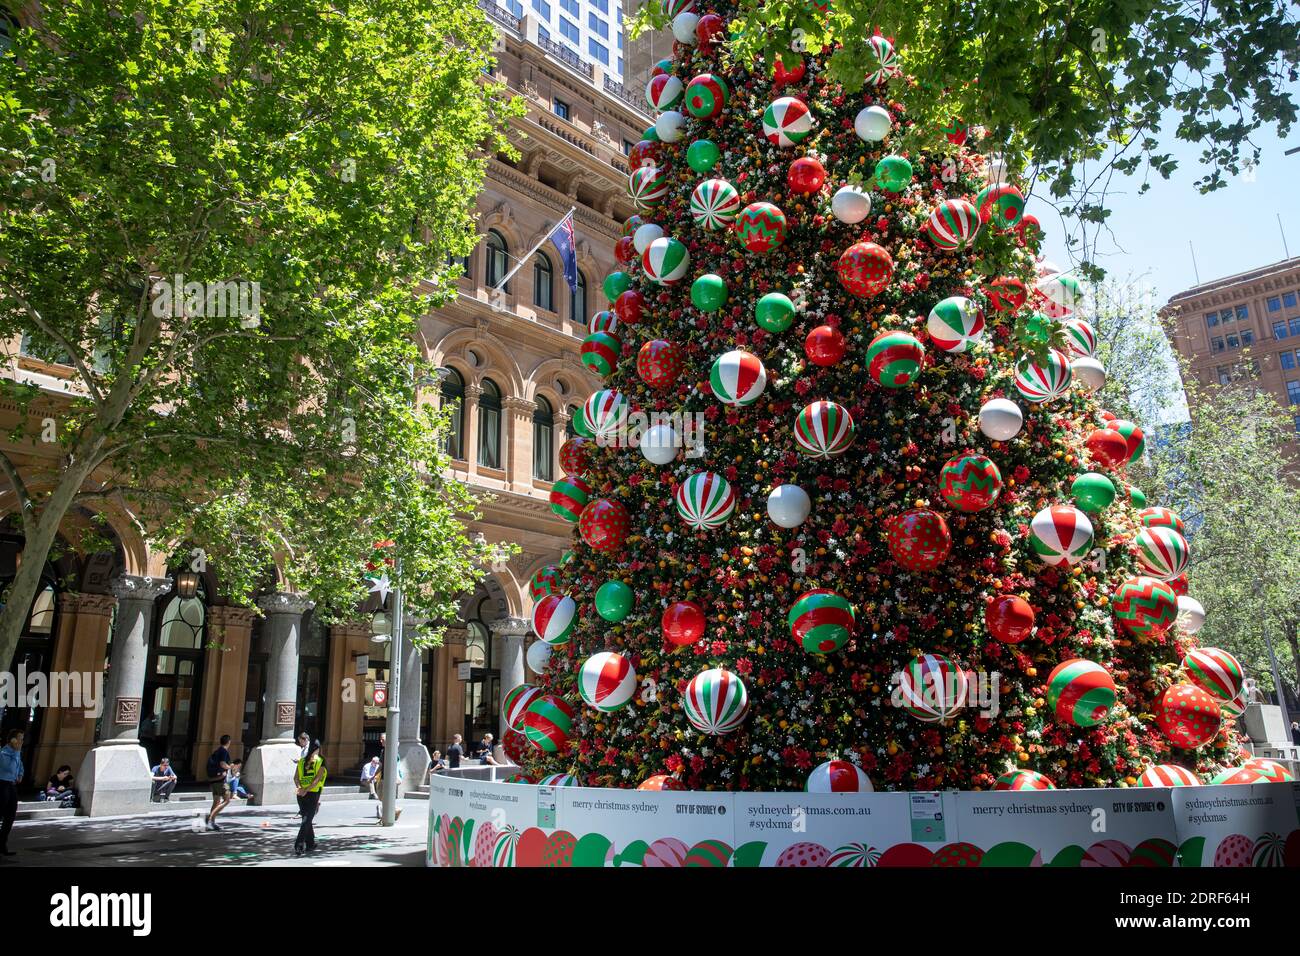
(955, 324)
(665, 261)
(715, 203)
(604, 415)
(705, 500)
(738, 378)
(716, 701)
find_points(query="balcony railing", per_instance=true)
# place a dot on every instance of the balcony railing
(567, 55)
(618, 89)
(500, 14)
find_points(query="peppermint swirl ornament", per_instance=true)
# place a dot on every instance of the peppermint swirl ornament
(1043, 383)
(715, 203)
(647, 186)
(716, 701)
(604, 414)
(824, 430)
(1163, 553)
(1080, 339)
(705, 501)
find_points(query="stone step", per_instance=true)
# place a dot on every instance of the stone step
(42, 810)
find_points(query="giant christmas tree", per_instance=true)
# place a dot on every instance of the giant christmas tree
(901, 550)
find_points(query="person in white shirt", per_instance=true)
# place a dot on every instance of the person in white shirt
(370, 776)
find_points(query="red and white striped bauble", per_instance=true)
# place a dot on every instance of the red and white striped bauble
(606, 681)
(554, 617)
(1168, 775)
(1163, 553)
(953, 224)
(516, 702)
(1042, 383)
(705, 500)
(1215, 671)
(716, 701)
(1080, 338)
(1060, 534)
(838, 776)
(738, 378)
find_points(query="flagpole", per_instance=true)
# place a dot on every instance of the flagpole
(529, 254)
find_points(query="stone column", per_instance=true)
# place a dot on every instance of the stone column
(114, 776)
(518, 419)
(470, 429)
(412, 754)
(268, 770)
(512, 631)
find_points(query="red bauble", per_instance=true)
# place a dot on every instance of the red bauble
(919, 539)
(516, 746)
(825, 345)
(659, 363)
(683, 623)
(1010, 619)
(1188, 716)
(604, 524)
(575, 455)
(630, 306)
(782, 74)
(661, 781)
(865, 269)
(708, 27)
(625, 250)
(1179, 585)
(806, 175)
(1006, 294)
(1108, 447)
(644, 153)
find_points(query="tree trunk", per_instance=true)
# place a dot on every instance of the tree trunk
(1293, 638)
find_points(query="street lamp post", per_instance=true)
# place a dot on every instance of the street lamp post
(389, 814)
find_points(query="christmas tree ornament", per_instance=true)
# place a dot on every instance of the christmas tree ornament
(1270, 771)
(1080, 693)
(821, 621)
(1191, 615)
(515, 704)
(787, 121)
(631, 225)
(659, 363)
(824, 430)
(774, 312)
(661, 781)
(603, 321)
(955, 132)
(671, 126)
(1060, 534)
(616, 283)
(894, 359)
(647, 186)
(856, 855)
(1001, 419)
(1188, 716)
(1038, 330)
(702, 155)
(659, 444)
(1080, 339)
(1061, 289)
(1092, 492)
(645, 153)
(1162, 553)
(559, 780)
(1144, 607)
(1010, 619)
(1024, 780)
(716, 701)
(919, 539)
(554, 617)
(1134, 442)
(600, 352)
(1215, 671)
(707, 30)
(715, 204)
(787, 69)
(682, 623)
(708, 293)
(606, 681)
(614, 601)
(630, 306)
(666, 261)
(1006, 294)
(671, 9)
(737, 378)
(955, 324)
(605, 414)
(953, 225)
(838, 776)
(806, 175)
(865, 269)
(684, 25)
(873, 124)
(546, 580)
(705, 501)
(1089, 373)
(1168, 775)
(761, 227)
(1030, 230)
(537, 656)
(1043, 383)
(625, 250)
(932, 688)
(893, 174)
(1235, 707)
(1178, 584)
(663, 92)
(706, 95)
(547, 723)
(1137, 498)
(886, 60)
(604, 524)
(788, 506)
(646, 234)
(970, 482)
(1158, 517)
(569, 496)
(851, 204)
(1000, 206)
(825, 346)
(1107, 447)
(651, 134)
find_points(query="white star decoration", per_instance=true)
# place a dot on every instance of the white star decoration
(381, 586)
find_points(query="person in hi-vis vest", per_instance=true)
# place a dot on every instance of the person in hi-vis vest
(309, 778)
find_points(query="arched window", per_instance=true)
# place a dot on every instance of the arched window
(489, 425)
(543, 283)
(543, 440)
(498, 260)
(453, 393)
(183, 621)
(578, 301)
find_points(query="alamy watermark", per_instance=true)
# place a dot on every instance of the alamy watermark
(69, 690)
(213, 300)
(957, 690)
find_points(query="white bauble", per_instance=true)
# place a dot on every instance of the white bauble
(1190, 614)
(1001, 419)
(1046, 267)
(873, 124)
(539, 652)
(788, 506)
(670, 126)
(684, 28)
(851, 204)
(997, 171)
(659, 444)
(1089, 372)
(645, 235)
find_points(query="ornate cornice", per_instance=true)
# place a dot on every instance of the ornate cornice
(520, 406)
(97, 605)
(230, 615)
(285, 602)
(510, 627)
(131, 587)
(551, 197)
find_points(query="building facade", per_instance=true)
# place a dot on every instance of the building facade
(182, 666)
(1245, 323)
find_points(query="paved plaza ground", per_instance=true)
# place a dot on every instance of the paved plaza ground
(347, 834)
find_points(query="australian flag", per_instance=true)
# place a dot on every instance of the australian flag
(562, 236)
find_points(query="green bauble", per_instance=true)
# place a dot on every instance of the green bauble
(774, 312)
(703, 155)
(614, 601)
(1138, 497)
(708, 293)
(1038, 329)
(1093, 492)
(651, 134)
(893, 173)
(616, 283)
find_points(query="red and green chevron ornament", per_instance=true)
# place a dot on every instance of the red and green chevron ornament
(894, 359)
(821, 621)
(1023, 780)
(1080, 692)
(1168, 775)
(705, 501)
(953, 225)
(600, 352)
(716, 701)
(1000, 205)
(1158, 517)
(824, 430)
(706, 96)
(547, 722)
(970, 482)
(1162, 552)
(569, 496)
(761, 227)
(1215, 671)
(1188, 716)
(659, 363)
(1144, 607)
(545, 581)
(715, 204)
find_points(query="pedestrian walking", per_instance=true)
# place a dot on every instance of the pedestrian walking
(11, 775)
(309, 779)
(218, 768)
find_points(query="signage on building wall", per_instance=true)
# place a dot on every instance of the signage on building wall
(363, 664)
(381, 693)
(284, 713)
(127, 711)
(464, 670)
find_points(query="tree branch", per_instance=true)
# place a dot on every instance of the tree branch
(61, 339)
(25, 504)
